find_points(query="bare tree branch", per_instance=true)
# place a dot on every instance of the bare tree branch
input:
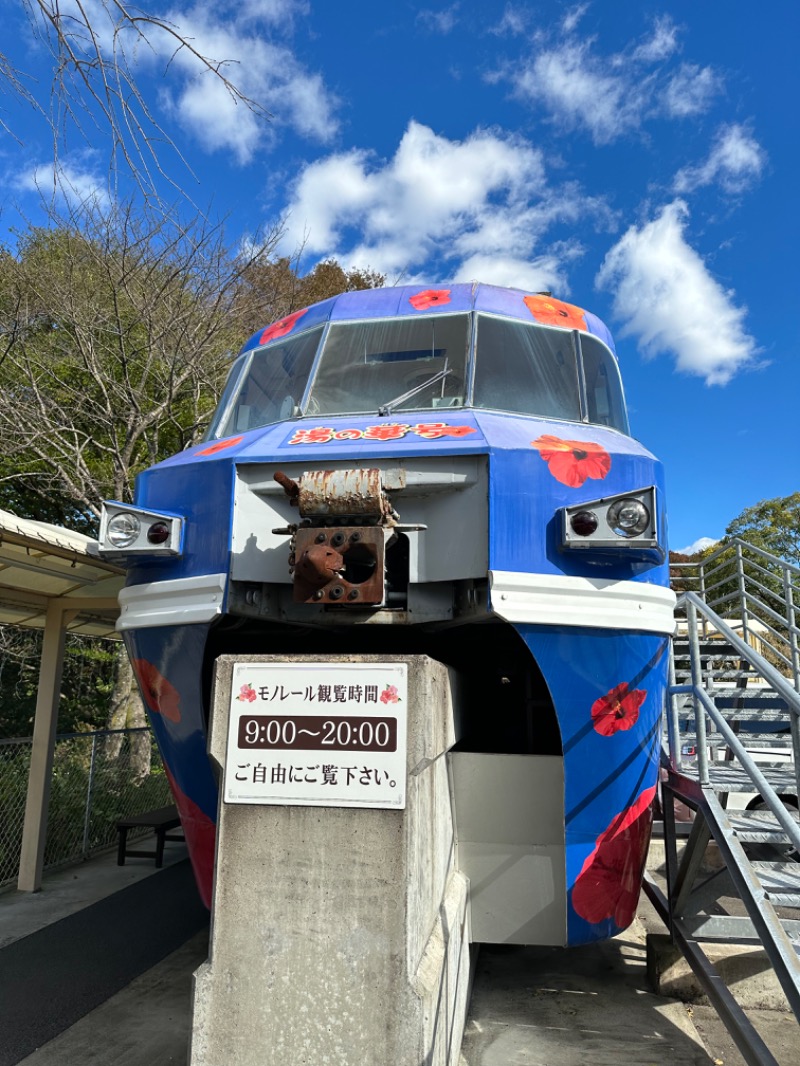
(95, 54)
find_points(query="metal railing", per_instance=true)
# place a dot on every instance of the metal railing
(706, 712)
(758, 592)
(98, 778)
(691, 907)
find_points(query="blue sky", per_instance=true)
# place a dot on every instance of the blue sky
(640, 160)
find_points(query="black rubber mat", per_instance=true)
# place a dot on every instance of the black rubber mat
(50, 979)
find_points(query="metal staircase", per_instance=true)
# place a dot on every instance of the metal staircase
(732, 756)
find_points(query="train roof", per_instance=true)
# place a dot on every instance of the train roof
(413, 300)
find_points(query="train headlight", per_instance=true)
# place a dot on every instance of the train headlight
(628, 517)
(584, 523)
(614, 524)
(129, 531)
(123, 529)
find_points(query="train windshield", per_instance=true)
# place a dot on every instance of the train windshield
(406, 364)
(387, 366)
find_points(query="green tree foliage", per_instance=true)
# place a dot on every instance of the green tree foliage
(773, 525)
(86, 686)
(273, 288)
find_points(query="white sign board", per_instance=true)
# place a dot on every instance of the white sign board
(318, 734)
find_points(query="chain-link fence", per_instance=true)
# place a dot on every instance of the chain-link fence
(98, 778)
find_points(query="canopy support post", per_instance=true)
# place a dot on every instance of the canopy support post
(34, 831)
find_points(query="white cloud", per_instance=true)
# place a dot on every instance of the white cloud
(690, 90)
(662, 44)
(248, 41)
(544, 273)
(471, 209)
(513, 23)
(570, 21)
(608, 95)
(670, 302)
(74, 182)
(442, 21)
(579, 90)
(736, 161)
(270, 75)
(699, 545)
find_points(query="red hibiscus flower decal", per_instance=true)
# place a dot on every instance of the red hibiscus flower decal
(430, 298)
(572, 461)
(555, 312)
(220, 446)
(200, 833)
(160, 696)
(247, 694)
(609, 882)
(281, 327)
(389, 695)
(617, 710)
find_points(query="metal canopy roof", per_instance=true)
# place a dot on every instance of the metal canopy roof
(40, 563)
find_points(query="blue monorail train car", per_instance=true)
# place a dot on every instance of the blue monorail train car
(412, 470)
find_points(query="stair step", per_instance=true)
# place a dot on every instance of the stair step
(759, 827)
(750, 740)
(739, 698)
(780, 881)
(726, 673)
(730, 777)
(715, 649)
(740, 714)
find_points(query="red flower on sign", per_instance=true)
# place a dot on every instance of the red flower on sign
(160, 696)
(389, 695)
(555, 312)
(429, 298)
(617, 710)
(220, 446)
(247, 694)
(281, 327)
(572, 461)
(609, 882)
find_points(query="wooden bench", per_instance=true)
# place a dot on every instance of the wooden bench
(161, 821)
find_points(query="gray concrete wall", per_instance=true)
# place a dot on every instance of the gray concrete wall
(339, 935)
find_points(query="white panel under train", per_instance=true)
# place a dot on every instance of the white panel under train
(598, 603)
(509, 812)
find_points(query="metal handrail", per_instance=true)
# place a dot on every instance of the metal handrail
(703, 702)
(738, 563)
(762, 667)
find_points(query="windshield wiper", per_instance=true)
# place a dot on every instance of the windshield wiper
(387, 408)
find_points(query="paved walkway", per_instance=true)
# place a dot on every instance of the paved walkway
(530, 1006)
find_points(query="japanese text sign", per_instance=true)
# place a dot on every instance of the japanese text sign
(318, 734)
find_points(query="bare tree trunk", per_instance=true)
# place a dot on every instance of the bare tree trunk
(127, 712)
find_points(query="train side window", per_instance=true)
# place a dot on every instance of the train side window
(271, 389)
(606, 406)
(528, 369)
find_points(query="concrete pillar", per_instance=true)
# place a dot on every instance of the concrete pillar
(34, 832)
(339, 934)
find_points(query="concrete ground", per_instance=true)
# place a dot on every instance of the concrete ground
(530, 1006)
(554, 1007)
